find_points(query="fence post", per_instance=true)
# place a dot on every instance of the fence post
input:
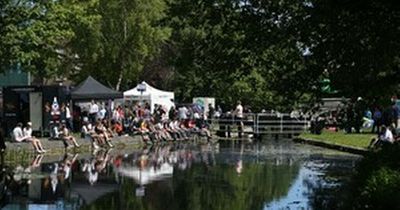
(255, 124)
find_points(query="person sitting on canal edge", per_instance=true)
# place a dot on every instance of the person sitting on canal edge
(66, 137)
(20, 136)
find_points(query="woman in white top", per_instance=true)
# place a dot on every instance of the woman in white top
(26, 135)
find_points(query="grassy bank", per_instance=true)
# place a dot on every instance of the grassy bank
(341, 138)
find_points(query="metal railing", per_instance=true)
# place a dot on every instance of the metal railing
(262, 123)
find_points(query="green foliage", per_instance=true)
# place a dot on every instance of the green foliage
(269, 54)
(127, 36)
(357, 43)
(377, 182)
(242, 50)
(37, 35)
(382, 190)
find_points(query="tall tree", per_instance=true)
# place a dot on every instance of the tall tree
(129, 35)
(357, 43)
(248, 50)
(37, 34)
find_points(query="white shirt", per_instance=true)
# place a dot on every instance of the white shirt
(27, 132)
(102, 113)
(387, 136)
(18, 134)
(182, 112)
(67, 113)
(239, 111)
(94, 108)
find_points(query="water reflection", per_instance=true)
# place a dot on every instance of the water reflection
(271, 175)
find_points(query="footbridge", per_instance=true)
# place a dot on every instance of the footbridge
(260, 124)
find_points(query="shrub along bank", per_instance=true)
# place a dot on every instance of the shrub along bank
(376, 184)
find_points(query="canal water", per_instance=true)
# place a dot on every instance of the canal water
(272, 174)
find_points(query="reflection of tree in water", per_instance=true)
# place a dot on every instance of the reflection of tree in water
(326, 192)
(207, 186)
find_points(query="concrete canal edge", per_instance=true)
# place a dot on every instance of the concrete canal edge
(57, 147)
(349, 149)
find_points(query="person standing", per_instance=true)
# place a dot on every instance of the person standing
(396, 114)
(239, 118)
(93, 110)
(211, 112)
(102, 113)
(377, 117)
(68, 117)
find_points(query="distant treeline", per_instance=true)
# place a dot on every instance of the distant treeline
(269, 54)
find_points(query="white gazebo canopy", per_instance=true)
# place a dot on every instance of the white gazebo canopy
(147, 175)
(144, 91)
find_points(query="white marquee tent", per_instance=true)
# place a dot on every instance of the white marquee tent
(147, 175)
(145, 92)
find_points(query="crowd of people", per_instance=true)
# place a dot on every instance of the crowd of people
(100, 122)
(357, 116)
(175, 124)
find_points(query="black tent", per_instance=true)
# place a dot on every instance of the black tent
(92, 89)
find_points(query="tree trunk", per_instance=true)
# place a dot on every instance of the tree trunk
(118, 85)
(121, 73)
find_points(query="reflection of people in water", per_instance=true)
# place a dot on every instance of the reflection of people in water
(239, 167)
(67, 163)
(96, 165)
(25, 174)
(90, 172)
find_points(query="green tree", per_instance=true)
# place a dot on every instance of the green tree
(129, 34)
(38, 34)
(248, 50)
(357, 43)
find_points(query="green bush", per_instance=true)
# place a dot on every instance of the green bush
(382, 190)
(376, 185)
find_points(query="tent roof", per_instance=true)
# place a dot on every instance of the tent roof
(147, 175)
(149, 91)
(92, 89)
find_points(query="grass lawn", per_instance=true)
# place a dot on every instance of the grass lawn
(341, 138)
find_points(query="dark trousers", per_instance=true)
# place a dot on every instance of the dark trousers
(92, 117)
(70, 124)
(377, 125)
(239, 122)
